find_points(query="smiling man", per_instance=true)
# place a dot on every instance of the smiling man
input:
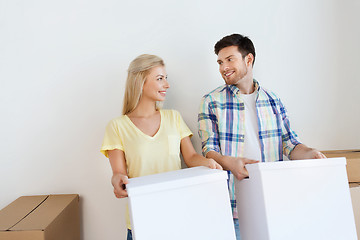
(240, 122)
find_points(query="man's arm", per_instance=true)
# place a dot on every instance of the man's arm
(292, 147)
(209, 135)
(301, 151)
(235, 164)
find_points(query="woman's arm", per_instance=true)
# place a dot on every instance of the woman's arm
(192, 158)
(119, 178)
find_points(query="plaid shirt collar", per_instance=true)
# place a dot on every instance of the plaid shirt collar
(235, 90)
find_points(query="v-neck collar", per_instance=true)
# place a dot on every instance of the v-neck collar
(141, 132)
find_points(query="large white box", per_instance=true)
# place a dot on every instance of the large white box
(297, 200)
(188, 204)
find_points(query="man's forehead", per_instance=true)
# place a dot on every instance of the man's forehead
(224, 57)
(228, 52)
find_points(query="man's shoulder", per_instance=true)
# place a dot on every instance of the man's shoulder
(268, 93)
(216, 92)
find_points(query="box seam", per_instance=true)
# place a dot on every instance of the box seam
(28, 213)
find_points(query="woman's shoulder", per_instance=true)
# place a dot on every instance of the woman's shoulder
(171, 115)
(118, 120)
(170, 112)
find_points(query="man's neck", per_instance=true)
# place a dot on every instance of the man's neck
(247, 86)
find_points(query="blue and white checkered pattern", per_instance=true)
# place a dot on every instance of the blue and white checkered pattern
(221, 122)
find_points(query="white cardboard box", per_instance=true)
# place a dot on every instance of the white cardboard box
(188, 204)
(304, 199)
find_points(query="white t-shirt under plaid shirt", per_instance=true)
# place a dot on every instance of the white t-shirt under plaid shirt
(221, 122)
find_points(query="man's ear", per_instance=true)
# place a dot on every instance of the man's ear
(249, 59)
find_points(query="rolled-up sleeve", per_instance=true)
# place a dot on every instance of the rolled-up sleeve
(289, 137)
(208, 126)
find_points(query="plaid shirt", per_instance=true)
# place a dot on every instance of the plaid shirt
(221, 122)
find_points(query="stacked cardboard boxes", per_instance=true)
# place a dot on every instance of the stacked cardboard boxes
(353, 172)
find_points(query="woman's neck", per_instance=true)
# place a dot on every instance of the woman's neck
(144, 109)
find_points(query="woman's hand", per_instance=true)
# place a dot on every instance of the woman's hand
(213, 164)
(118, 181)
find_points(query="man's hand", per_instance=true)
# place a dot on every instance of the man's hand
(301, 151)
(318, 154)
(237, 166)
(118, 181)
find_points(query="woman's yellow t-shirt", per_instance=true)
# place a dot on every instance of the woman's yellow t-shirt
(144, 154)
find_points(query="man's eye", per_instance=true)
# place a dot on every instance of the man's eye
(230, 59)
(159, 79)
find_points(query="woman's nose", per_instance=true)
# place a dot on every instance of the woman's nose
(167, 85)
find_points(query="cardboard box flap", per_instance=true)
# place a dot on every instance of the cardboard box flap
(46, 212)
(17, 210)
(349, 154)
(354, 185)
(352, 159)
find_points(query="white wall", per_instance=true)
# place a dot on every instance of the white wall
(63, 67)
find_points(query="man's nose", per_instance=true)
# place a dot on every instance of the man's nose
(224, 67)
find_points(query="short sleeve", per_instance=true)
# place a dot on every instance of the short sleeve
(183, 128)
(112, 139)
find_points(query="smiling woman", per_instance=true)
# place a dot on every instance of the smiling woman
(137, 71)
(156, 85)
(147, 139)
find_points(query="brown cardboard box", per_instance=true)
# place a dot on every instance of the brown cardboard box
(47, 217)
(355, 198)
(352, 162)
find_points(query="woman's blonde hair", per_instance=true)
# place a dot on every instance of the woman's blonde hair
(137, 72)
